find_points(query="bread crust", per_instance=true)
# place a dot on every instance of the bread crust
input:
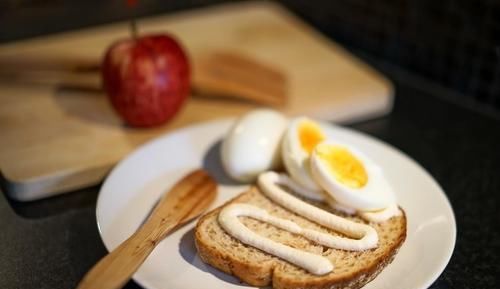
(264, 274)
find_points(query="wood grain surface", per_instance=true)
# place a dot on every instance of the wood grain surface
(59, 133)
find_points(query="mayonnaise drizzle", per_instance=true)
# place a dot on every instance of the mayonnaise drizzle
(228, 219)
(382, 215)
(363, 236)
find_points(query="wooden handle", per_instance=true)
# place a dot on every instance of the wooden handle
(240, 77)
(186, 200)
(116, 268)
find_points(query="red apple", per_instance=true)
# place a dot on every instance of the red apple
(146, 78)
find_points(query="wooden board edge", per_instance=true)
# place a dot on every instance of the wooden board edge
(43, 187)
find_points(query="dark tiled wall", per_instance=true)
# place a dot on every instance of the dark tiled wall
(455, 43)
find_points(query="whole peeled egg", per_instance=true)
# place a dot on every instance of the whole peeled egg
(253, 144)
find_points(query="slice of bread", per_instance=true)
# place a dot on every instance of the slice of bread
(257, 268)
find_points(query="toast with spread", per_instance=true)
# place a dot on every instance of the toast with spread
(351, 269)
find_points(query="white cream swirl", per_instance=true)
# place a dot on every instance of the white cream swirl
(228, 219)
(365, 236)
(361, 236)
(382, 215)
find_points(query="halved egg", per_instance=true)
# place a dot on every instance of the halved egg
(350, 177)
(299, 141)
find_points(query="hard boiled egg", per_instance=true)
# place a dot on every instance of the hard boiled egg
(350, 177)
(301, 137)
(253, 144)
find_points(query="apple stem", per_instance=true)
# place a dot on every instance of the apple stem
(133, 28)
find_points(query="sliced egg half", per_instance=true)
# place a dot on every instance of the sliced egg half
(350, 177)
(299, 141)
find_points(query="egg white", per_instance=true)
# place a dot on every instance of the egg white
(297, 161)
(253, 144)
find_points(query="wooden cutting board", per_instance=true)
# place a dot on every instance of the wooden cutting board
(55, 137)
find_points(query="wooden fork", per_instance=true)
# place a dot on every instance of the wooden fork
(186, 200)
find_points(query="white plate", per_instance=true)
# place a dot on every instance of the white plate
(136, 183)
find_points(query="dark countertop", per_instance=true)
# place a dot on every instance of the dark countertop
(52, 243)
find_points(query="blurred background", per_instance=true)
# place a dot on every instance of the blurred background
(437, 54)
(453, 44)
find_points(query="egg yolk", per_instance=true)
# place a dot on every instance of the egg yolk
(346, 168)
(309, 135)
